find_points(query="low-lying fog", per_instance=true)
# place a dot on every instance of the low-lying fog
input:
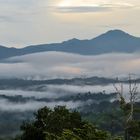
(50, 65)
(32, 100)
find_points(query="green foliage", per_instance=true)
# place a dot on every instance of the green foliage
(60, 124)
(89, 132)
(51, 121)
(9, 127)
(134, 129)
(117, 138)
(69, 135)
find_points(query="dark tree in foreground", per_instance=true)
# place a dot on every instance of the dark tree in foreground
(60, 124)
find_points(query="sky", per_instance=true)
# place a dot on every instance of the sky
(28, 22)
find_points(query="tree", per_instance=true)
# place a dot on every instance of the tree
(90, 132)
(60, 124)
(128, 107)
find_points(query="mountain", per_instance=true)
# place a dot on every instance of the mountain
(7, 52)
(38, 85)
(20, 83)
(111, 41)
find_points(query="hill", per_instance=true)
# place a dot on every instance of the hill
(111, 41)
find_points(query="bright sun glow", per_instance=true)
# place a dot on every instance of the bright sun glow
(64, 3)
(73, 3)
(91, 3)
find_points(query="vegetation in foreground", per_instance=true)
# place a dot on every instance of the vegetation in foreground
(104, 115)
(62, 124)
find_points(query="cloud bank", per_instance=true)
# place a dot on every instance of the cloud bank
(50, 65)
(53, 95)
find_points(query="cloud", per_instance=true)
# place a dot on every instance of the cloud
(56, 91)
(50, 65)
(53, 93)
(91, 6)
(34, 105)
(20, 27)
(81, 9)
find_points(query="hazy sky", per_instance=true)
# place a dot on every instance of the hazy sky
(25, 22)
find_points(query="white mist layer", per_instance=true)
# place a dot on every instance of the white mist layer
(5, 105)
(53, 92)
(49, 65)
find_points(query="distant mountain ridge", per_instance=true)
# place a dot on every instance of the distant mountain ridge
(111, 41)
(91, 81)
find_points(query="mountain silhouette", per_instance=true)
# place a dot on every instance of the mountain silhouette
(112, 41)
